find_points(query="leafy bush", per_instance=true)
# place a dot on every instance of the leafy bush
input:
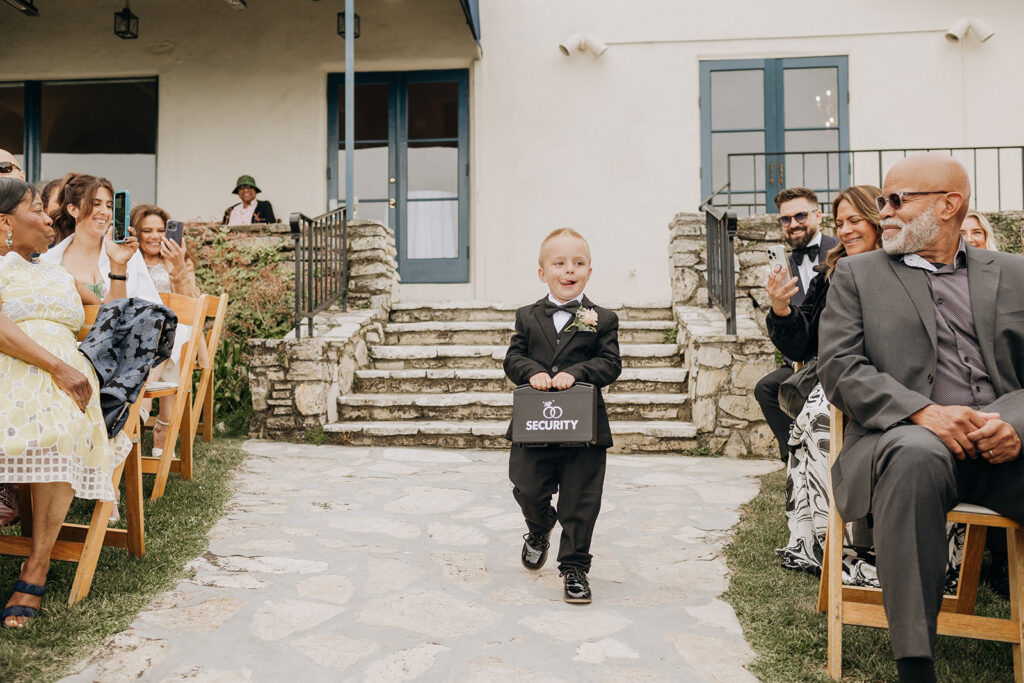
(261, 304)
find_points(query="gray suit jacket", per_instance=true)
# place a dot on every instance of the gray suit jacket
(877, 352)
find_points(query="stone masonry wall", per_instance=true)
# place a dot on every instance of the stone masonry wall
(295, 383)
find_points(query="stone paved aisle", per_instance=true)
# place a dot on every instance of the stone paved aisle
(375, 564)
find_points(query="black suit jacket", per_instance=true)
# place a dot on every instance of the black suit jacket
(826, 246)
(591, 357)
(263, 213)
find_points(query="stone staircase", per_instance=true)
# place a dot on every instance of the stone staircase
(437, 381)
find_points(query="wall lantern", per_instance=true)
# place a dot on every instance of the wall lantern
(979, 27)
(582, 43)
(126, 24)
(26, 7)
(341, 24)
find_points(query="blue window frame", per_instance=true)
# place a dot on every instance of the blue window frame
(766, 113)
(411, 165)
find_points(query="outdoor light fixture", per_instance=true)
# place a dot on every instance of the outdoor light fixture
(126, 24)
(582, 43)
(979, 27)
(26, 7)
(341, 24)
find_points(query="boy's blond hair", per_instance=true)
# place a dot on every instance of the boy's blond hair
(559, 233)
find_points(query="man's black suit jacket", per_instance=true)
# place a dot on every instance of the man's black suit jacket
(591, 357)
(826, 246)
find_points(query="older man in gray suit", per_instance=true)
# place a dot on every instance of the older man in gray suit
(922, 346)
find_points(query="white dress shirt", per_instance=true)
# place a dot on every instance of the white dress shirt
(561, 318)
(242, 214)
(806, 265)
(139, 283)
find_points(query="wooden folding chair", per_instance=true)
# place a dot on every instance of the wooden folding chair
(202, 407)
(862, 606)
(82, 543)
(189, 312)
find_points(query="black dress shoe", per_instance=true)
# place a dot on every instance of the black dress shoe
(535, 551)
(577, 588)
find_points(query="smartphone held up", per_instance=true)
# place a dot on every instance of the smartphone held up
(122, 207)
(777, 257)
(175, 231)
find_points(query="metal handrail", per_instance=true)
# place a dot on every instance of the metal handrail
(720, 233)
(321, 264)
(988, 184)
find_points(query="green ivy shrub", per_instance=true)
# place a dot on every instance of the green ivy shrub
(261, 303)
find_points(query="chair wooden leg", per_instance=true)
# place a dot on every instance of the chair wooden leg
(823, 582)
(834, 543)
(25, 509)
(186, 440)
(134, 511)
(208, 410)
(970, 568)
(1015, 550)
(91, 551)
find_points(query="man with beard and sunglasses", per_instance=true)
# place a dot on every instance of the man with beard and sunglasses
(920, 346)
(9, 167)
(800, 221)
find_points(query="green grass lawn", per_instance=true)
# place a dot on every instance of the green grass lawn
(777, 610)
(176, 527)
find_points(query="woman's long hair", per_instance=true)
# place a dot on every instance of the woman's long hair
(990, 235)
(79, 190)
(862, 199)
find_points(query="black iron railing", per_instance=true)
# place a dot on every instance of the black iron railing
(720, 232)
(753, 179)
(321, 264)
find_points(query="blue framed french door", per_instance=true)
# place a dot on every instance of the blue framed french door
(767, 124)
(411, 165)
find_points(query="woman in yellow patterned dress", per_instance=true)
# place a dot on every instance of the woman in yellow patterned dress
(52, 434)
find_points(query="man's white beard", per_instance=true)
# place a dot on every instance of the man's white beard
(913, 236)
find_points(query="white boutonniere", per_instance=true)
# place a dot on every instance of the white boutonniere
(585, 320)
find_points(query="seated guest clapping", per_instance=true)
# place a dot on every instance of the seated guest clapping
(933, 387)
(54, 438)
(89, 252)
(794, 331)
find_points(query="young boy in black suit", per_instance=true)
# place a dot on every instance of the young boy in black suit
(559, 340)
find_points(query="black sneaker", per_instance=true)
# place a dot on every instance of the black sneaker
(577, 588)
(535, 551)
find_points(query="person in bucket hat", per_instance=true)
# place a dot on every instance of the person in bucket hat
(250, 209)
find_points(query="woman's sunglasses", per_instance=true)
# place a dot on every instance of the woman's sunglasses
(896, 198)
(8, 167)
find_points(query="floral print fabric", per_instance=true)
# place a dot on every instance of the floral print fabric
(44, 436)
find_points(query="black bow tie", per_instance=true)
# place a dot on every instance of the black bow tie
(810, 252)
(550, 307)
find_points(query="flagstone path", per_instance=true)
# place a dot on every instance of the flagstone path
(378, 564)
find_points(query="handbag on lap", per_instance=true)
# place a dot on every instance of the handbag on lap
(794, 391)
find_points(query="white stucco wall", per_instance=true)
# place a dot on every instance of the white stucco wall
(610, 146)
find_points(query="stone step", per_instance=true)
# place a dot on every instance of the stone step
(447, 381)
(453, 311)
(642, 437)
(496, 406)
(492, 332)
(491, 356)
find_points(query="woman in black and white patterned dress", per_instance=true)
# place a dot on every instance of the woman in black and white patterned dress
(794, 331)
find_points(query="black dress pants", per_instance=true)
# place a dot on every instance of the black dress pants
(917, 481)
(577, 475)
(767, 394)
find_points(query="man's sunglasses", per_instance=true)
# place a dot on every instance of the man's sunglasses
(8, 167)
(800, 218)
(896, 198)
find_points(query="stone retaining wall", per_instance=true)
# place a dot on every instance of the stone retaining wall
(295, 383)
